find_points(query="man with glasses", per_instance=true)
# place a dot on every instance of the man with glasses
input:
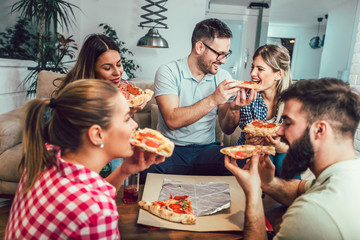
(189, 92)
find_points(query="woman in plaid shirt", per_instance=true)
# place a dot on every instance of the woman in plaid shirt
(270, 69)
(60, 194)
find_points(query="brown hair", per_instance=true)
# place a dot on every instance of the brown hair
(93, 47)
(78, 106)
(208, 30)
(278, 58)
(328, 99)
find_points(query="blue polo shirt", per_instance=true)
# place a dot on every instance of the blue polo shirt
(175, 78)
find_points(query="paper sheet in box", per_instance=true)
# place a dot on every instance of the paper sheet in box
(231, 219)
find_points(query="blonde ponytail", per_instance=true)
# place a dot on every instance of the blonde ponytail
(35, 157)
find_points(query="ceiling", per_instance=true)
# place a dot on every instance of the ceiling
(291, 11)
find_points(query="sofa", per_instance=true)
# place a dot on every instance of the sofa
(11, 129)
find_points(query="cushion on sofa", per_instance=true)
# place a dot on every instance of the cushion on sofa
(45, 85)
(10, 129)
(9, 163)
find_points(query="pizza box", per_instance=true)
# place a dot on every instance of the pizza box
(231, 219)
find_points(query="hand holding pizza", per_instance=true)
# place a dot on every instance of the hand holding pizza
(248, 177)
(254, 140)
(241, 100)
(224, 91)
(281, 147)
(140, 161)
(134, 109)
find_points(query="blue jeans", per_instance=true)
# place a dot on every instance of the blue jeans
(193, 160)
(277, 161)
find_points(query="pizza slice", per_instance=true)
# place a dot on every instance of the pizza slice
(175, 209)
(246, 151)
(153, 141)
(134, 95)
(249, 85)
(261, 128)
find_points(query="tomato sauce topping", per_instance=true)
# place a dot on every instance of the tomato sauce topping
(151, 143)
(258, 124)
(270, 125)
(241, 154)
(133, 90)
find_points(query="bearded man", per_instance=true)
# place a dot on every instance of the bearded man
(321, 117)
(189, 92)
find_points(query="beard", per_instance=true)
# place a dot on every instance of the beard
(299, 157)
(205, 68)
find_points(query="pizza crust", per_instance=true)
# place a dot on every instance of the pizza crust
(263, 131)
(165, 148)
(249, 149)
(167, 214)
(249, 85)
(137, 100)
(133, 99)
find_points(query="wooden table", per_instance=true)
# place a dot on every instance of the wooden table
(129, 229)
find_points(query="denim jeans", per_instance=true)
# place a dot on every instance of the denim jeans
(193, 160)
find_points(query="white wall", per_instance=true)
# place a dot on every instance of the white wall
(7, 19)
(338, 41)
(305, 60)
(12, 90)
(124, 17)
(249, 19)
(354, 78)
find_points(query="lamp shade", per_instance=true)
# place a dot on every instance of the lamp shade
(153, 40)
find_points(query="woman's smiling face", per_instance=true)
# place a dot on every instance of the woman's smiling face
(108, 66)
(263, 74)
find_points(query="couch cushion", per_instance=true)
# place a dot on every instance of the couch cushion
(9, 163)
(11, 129)
(8, 188)
(143, 119)
(45, 86)
(230, 140)
(154, 115)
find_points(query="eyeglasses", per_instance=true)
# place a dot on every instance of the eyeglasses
(220, 56)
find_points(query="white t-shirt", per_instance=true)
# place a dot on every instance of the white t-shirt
(330, 207)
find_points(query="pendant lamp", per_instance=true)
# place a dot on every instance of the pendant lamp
(153, 21)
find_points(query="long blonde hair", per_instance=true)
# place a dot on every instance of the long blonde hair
(77, 107)
(278, 58)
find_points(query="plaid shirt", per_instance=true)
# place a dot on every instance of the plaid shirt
(67, 201)
(255, 110)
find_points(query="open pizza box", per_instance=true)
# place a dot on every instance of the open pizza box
(230, 219)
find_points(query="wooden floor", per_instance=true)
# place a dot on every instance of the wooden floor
(5, 205)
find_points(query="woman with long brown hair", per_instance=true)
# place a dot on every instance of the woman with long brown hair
(100, 58)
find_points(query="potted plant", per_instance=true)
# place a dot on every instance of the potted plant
(46, 15)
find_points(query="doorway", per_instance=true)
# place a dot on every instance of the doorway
(235, 62)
